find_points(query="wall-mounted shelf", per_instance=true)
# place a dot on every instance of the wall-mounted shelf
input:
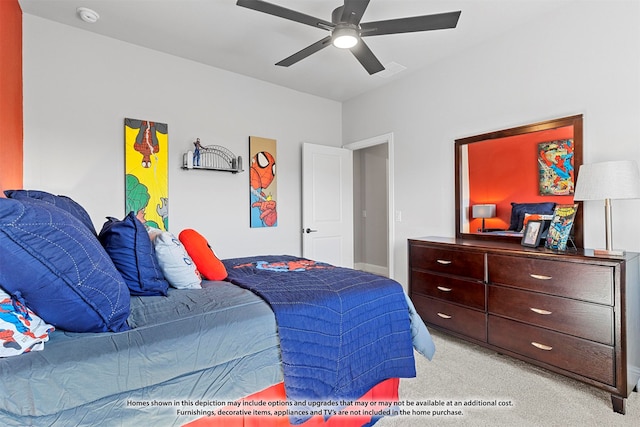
(212, 157)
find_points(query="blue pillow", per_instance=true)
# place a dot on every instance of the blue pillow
(519, 209)
(50, 262)
(63, 202)
(129, 246)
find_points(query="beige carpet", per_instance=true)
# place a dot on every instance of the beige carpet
(463, 372)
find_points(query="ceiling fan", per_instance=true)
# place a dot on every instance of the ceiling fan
(347, 30)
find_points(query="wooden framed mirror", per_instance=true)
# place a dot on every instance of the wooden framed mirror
(531, 165)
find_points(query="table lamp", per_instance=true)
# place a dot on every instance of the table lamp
(607, 181)
(483, 211)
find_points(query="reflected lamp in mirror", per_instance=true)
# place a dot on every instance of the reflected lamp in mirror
(483, 211)
(608, 181)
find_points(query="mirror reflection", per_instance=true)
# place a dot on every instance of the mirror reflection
(508, 177)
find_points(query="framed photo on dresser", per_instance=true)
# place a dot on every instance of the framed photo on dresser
(532, 233)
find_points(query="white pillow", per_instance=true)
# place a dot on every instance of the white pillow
(176, 264)
(540, 217)
(21, 331)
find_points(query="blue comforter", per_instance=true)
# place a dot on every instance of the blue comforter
(341, 331)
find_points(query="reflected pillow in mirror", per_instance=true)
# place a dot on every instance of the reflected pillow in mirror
(534, 217)
(518, 211)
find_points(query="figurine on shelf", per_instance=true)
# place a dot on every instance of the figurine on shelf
(196, 152)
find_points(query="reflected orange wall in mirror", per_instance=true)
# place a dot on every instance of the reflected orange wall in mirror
(500, 177)
(11, 134)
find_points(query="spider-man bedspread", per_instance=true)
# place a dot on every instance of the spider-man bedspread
(341, 331)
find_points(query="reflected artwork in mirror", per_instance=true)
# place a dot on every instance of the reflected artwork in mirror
(522, 172)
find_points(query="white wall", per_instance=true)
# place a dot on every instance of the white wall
(582, 59)
(78, 89)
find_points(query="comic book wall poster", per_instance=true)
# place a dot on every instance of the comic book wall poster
(146, 171)
(560, 227)
(555, 163)
(263, 182)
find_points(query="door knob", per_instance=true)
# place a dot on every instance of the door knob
(308, 230)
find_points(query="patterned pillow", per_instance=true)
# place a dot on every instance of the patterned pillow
(21, 331)
(63, 202)
(53, 263)
(176, 264)
(131, 251)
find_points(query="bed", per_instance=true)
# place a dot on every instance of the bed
(194, 344)
(181, 354)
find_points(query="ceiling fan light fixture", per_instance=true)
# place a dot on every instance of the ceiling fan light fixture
(344, 37)
(346, 29)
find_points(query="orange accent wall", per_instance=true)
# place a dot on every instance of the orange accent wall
(502, 176)
(11, 130)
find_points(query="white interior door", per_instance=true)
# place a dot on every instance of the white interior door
(327, 204)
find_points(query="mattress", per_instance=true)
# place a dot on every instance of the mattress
(179, 348)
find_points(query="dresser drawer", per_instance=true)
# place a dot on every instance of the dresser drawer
(458, 319)
(587, 282)
(586, 358)
(448, 288)
(582, 319)
(460, 263)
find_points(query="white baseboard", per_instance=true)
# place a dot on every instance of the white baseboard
(371, 268)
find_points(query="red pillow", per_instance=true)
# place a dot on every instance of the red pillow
(201, 253)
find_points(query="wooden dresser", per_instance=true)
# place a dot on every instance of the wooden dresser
(573, 313)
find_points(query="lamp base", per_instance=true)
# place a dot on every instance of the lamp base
(605, 252)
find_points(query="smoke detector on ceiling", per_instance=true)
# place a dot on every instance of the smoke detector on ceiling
(88, 15)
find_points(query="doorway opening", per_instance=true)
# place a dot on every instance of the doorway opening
(373, 204)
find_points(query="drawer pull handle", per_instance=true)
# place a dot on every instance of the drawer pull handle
(443, 289)
(541, 346)
(444, 316)
(443, 261)
(539, 310)
(540, 277)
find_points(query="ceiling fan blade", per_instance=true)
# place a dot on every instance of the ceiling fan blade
(368, 60)
(353, 11)
(439, 21)
(282, 12)
(298, 56)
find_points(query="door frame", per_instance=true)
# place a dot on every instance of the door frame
(386, 138)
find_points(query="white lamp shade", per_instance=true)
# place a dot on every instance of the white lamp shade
(608, 180)
(484, 211)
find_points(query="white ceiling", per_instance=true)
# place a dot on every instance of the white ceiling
(223, 35)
